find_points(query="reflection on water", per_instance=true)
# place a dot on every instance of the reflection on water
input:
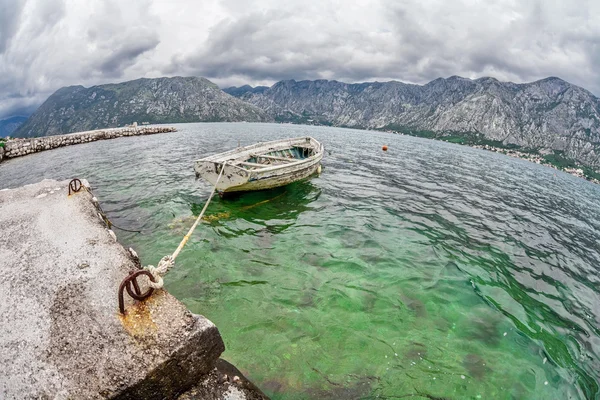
(430, 270)
(260, 208)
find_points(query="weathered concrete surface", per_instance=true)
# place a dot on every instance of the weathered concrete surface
(22, 147)
(225, 382)
(61, 335)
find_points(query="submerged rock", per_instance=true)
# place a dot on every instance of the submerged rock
(476, 366)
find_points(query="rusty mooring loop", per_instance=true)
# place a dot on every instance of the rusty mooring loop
(74, 186)
(130, 284)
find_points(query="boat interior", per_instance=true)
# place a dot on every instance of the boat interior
(277, 157)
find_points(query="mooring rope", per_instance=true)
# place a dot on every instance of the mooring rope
(76, 185)
(168, 262)
(109, 223)
(102, 214)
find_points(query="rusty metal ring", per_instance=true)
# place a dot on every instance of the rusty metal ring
(135, 293)
(75, 186)
(131, 285)
(136, 287)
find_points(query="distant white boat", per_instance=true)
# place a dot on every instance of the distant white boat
(262, 165)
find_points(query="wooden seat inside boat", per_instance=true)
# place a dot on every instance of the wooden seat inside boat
(277, 157)
(286, 159)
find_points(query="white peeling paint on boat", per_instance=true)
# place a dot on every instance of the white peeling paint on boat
(240, 175)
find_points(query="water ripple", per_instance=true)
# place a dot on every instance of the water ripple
(431, 268)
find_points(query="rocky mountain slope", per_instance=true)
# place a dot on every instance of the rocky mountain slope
(161, 100)
(9, 125)
(549, 115)
(239, 91)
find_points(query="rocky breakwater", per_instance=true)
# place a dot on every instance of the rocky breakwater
(21, 147)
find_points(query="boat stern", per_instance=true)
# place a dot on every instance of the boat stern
(232, 175)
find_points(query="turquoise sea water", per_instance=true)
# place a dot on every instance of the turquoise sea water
(429, 271)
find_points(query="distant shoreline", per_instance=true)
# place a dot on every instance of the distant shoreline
(537, 159)
(560, 163)
(553, 160)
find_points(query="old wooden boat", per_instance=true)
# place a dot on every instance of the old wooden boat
(262, 165)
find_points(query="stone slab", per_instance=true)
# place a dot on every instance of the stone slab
(61, 335)
(224, 382)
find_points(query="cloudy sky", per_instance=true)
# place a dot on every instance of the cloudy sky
(47, 44)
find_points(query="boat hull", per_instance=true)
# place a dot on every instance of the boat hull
(270, 181)
(235, 178)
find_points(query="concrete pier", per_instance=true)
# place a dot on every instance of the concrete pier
(21, 147)
(61, 334)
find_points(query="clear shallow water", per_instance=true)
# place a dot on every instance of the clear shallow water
(433, 268)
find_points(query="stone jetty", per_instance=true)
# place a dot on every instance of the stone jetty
(61, 333)
(21, 147)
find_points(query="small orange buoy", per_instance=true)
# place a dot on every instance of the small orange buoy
(384, 148)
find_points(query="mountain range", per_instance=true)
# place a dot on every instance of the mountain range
(161, 100)
(549, 116)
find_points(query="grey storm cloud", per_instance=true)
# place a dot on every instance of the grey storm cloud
(47, 44)
(9, 21)
(421, 41)
(276, 45)
(126, 54)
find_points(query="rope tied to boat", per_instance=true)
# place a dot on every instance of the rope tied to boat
(168, 262)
